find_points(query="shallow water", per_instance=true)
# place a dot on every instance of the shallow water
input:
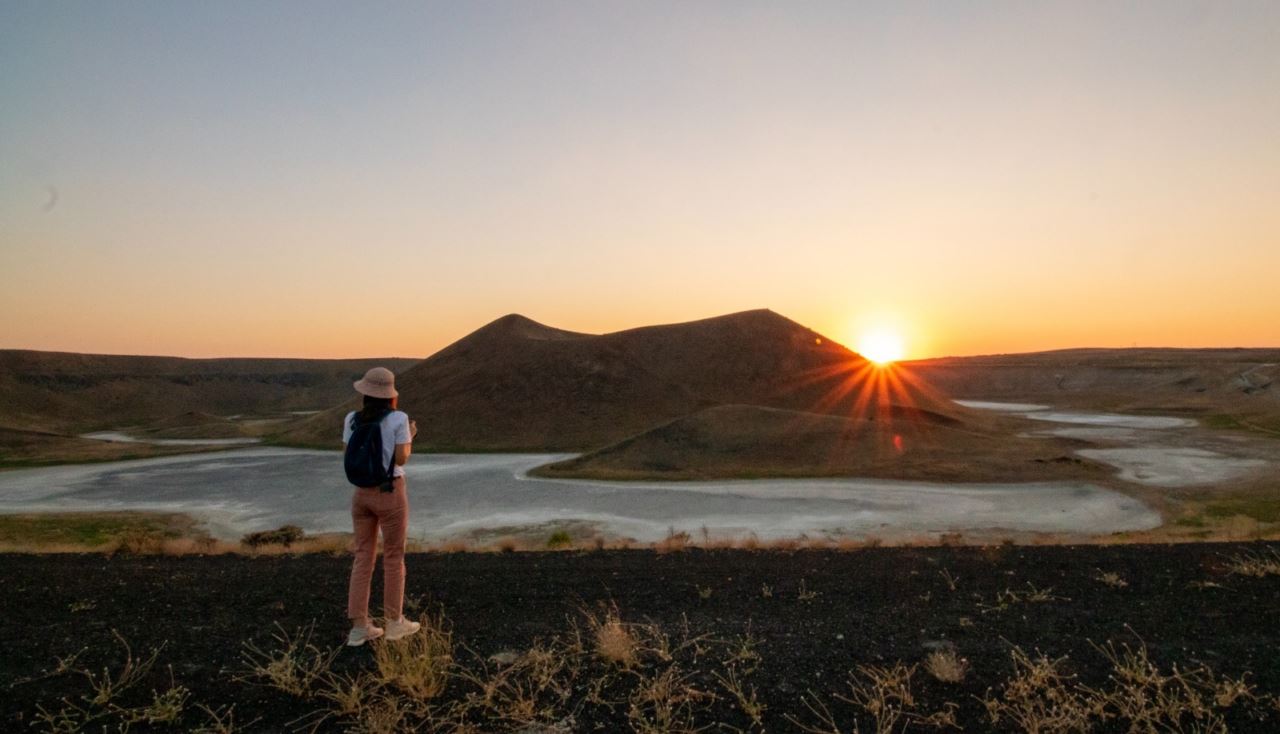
(1002, 407)
(253, 489)
(116, 436)
(1146, 456)
(1169, 466)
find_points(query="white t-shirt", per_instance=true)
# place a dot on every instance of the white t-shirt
(395, 430)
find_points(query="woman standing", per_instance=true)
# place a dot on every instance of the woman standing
(385, 508)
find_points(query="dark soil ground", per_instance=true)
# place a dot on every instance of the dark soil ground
(871, 606)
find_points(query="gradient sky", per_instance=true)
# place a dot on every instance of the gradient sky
(332, 180)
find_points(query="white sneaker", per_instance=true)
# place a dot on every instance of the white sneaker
(360, 635)
(401, 628)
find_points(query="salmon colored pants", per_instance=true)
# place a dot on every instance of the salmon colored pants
(372, 509)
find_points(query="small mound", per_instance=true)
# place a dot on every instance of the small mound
(898, 442)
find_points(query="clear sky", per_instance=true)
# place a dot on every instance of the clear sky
(330, 180)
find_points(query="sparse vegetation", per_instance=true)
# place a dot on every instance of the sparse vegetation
(294, 664)
(285, 535)
(949, 578)
(101, 531)
(1110, 578)
(1259, 564)
(946, 666)
(1032, 595)
(805, 593)
(882, 692)
(418, 664)
(614, 640)
(605, 671)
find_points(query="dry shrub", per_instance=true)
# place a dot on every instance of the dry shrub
(384, 714)
(457, 545)
(1110, 578)
(535, 689)
(1141, 697)
(946, 666)
(666, 702)
(285, 535)
(1041, 698)
(419, 664)
(294, 664)
(1154, 700)
(1256, 565)
(104, 706)
(743, 694)
(675, 541)
(138, 542)
(347, 695)
(884, 693)
(614, 640)
(1009, 597)
(220, 720)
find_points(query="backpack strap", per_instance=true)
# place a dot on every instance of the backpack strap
(389, 485)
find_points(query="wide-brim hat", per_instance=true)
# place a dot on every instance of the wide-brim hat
(378, 382)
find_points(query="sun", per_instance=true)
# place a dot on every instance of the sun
(881, 345)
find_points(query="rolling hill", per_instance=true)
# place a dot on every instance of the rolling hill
(517, 385)
(748, 441)
(1221, 387)
(68, 393)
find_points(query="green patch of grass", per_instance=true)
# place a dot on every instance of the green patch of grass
(1221, 420)
(90, 529)
(1262, 509)
(1190, 521)
(1267, 425)
(559, 539)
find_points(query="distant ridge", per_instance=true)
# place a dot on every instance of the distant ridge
(518, 385)
(69, 392)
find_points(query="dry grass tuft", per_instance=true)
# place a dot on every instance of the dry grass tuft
(1256, 565)
(946, 666)
(885, 694)
(666, 702)
(744, 695)
(949, 578)
(614, 640)
(1140, 696)
(1040, 697)
(419, 664)
(675, 541)
(294, 665)
(106, 705)
(806, 594)
(1032, 594)
(1110, 578)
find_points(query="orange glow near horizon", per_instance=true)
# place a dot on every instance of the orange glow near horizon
(630, 165)
(881, 345)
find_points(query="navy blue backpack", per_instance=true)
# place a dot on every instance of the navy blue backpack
(363, 458)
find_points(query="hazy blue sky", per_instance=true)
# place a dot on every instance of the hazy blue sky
(227, 178)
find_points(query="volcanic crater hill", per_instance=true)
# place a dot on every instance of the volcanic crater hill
(517, 385)
(749, 441)
(64, 392)
(1229, 385)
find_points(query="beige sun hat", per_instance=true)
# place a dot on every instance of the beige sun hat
(378, 382)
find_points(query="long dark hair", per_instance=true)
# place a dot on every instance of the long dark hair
(373, 408)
